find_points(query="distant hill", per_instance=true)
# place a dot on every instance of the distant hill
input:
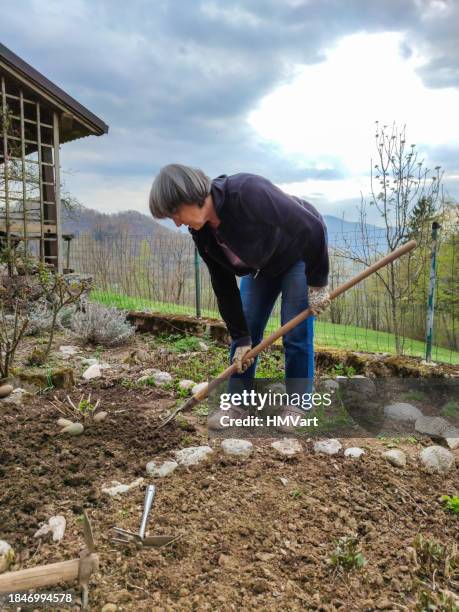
(341, 234)
(96, 223)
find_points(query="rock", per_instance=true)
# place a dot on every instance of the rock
(284, 481)
(451, 437)
(92, 372)
(100, 416)
(186, 384)
(17, 397)
(287, 447)
(149, 372)
(89, 361)
(162, 378)
(68, 351)
(330, 384)
(437, 459)
(6, 556)
(64, 422)
(354, 451)
(395, 457)
(117, 487)
(237, 448)
(109, 607)
(328, 447)
(143, 379)
(56, 525)
(166, 468)
(401, 411)
(432, 426)
(74, 429)
(192, 455)
(199, 387)
(203, 346)
(5, 390)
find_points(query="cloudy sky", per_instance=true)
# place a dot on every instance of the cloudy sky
(289, 89)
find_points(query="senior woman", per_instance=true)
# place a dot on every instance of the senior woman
(245, 226)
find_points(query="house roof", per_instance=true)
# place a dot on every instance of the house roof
(82, 122)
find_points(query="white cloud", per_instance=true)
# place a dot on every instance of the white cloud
(109, 194)
(326, 115)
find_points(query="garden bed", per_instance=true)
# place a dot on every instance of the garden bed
(254, 534)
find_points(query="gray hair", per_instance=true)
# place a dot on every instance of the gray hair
(176, 185)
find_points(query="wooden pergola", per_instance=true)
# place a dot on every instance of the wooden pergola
(36, 117)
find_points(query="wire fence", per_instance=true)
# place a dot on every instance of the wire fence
(386, 313)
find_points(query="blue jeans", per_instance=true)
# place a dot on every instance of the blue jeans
(258, 296)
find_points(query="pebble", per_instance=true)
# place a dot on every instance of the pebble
(330, 384)
(199, 387)
(74, 429)
(56, 525)
(89, 361)
(437, 459)
(237, 448)
(166, 468)
(186, 384)
(402, 411)
(395, 457)
(117, 487)
(92, 372)
(100, 416)
(109, 607)
(287, 447)
(162, 378)
(149, 372)
(328, 447)
(192, 455)
(5, 390)
(6, 556)
(432, 426)
(64, 422)
(68, 350)
(203, 346)
(17, 397)
(451, 437)
(354, 451)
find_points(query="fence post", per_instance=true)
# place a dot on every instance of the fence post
(431, 298)
(197, 282)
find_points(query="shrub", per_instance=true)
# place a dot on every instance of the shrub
(101, 325)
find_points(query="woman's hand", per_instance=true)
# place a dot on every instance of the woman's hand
(318, 299)
(238, 358)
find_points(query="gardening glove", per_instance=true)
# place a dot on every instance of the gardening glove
(318, 299)
(238, 358)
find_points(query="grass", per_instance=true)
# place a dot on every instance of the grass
(326, 334)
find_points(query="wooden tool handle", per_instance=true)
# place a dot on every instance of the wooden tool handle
(41, 576)
(381, 263)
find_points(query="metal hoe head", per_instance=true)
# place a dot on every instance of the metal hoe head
(139, 539)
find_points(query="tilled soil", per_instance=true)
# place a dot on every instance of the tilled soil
(248, 541)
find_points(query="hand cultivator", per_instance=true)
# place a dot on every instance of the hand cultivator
(140, 539)
(56, 573)
(201, 395)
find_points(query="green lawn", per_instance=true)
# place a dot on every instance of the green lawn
(326, 334)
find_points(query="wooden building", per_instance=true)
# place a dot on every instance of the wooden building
(36, 117)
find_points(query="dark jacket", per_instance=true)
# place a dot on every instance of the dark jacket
(269, 230)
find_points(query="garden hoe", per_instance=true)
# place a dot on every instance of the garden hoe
(201, 395)
(140, 539)
(57, 573)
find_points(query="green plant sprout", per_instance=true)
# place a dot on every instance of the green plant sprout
(347, 554)
(451, 503)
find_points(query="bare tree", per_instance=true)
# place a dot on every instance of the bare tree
(400, 181)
